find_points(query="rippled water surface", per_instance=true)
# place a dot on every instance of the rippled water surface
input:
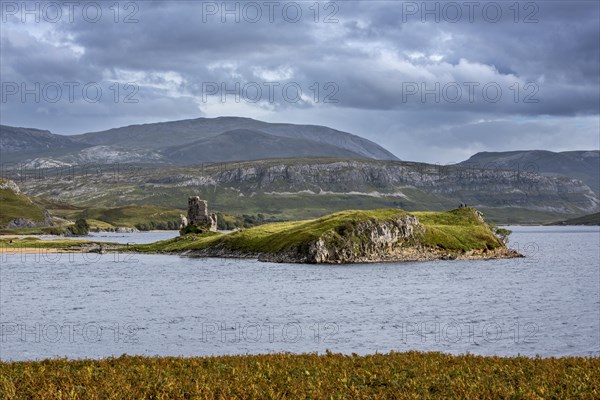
(90, 305)
(134, 237)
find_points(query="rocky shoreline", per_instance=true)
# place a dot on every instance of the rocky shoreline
(405, 255)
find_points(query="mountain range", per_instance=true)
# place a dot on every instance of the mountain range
(245, 166)
(185, 142)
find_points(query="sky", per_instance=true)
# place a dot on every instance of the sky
(429, 81)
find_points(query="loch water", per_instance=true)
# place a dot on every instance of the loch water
(101, 305)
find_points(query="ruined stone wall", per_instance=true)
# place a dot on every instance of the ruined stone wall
(198, 215)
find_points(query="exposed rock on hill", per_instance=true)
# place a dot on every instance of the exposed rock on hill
(304, 188)
(583, 165)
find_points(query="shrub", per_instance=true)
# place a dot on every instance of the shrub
(80, 228)
(501, 233)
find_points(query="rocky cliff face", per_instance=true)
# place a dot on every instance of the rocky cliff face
(584, 165)
(365, 241)
(478, 187)
(318, 184)
(443, 179)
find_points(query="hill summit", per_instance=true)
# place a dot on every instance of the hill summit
(186, 142)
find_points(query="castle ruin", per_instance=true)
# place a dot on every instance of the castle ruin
(198, 216)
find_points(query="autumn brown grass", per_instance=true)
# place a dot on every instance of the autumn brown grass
(287, 376)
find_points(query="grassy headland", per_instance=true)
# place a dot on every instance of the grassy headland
(331, 376)
(351, 236)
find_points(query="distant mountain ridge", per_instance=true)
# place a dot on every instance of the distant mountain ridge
(186, 142)
(293, 171)
(228, 145)
(29, 142)
(583, 165)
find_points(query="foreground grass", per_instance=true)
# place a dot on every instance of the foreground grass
(330, 376)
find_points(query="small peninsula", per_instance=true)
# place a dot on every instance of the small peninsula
(353, 236)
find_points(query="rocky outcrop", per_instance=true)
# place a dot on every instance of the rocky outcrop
(9, 185)
(183, 221)
(18, 223)
(27, 223)
(401, 254)
(366, 241)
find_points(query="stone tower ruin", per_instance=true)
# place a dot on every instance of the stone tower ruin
(198, 216)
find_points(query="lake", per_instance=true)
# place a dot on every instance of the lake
(133, 237)
(93, 306)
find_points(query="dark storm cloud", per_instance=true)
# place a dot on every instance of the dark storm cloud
(373, 52)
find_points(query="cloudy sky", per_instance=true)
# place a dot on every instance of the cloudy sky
(435, 81)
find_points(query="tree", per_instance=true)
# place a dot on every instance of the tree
(81, 227)
(501, 233)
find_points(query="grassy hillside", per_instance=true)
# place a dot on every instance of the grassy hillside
(591, 219)
(143, 217)
(458, 230)
(304, 376)
(16, 205)
(148, 217)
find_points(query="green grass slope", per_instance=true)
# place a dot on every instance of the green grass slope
(16, 205)
(143, 217)
(457, 230)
